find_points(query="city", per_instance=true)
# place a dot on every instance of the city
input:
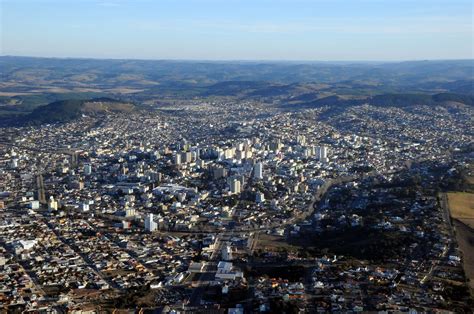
(176, 210)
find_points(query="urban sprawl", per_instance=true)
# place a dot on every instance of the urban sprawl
(232, 207)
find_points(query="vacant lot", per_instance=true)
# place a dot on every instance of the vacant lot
(465, 237)
(461, 205)
(268, 242)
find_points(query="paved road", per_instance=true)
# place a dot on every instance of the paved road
(443, 202)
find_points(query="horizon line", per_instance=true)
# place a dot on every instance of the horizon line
(234, 60)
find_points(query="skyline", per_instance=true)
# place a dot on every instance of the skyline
(368, 30)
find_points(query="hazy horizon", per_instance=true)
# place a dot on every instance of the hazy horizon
(239, 60)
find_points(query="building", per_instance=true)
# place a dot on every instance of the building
(177, 159)
(34, 204)
(85, 207)
(227, 253)
(87, 169)
(322, 153)
(276, 145)
(235, 186)
(301, 139)
(186, 157)
(259, 197)
(130, 212)
(258, 171)
(218, 172)
(52, 204)
(150, 224)
(226, 271)
(14, 163)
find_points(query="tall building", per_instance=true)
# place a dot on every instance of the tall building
(52, 204)
(322, 152)
(150, 224)
(218, 172)
(259, 197)
(301, 139)
(85, 207)
(87, 169)
(229, 153)
(177, 159)
(186, 157)
(130, 212)
(14, 163)
(227, 253)
(235, 186)
(258, 171)
(34, 204)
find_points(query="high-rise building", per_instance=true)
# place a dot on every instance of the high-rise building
(186, 157)
(258, 171)
(227, 253)
(259, 197)
(177, 159)
(235, 186)
(130, 212)
(229, 153)
(301, 139)
(34, 204)
(87, 169)
(218, 172)
(85, 207)
(150, 224)
(322, 152)
(52, 204)
(14, 163)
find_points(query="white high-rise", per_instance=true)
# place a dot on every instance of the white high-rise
(177, 159)
(258, 171)
(52, 204)
(235, 186)
(150, 224)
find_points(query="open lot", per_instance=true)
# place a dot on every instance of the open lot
(461, 206)
(465, 237)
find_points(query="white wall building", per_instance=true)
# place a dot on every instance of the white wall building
(235, 186)
(150, 224)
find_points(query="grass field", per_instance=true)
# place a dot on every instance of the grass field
(465, 237)
(461, 205)
(268, 242)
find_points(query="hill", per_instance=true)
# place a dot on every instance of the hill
(400, 100)
(67, 110)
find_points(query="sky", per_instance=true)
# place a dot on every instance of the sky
(323, 30)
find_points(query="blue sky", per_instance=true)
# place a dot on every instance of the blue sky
(239, 29)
